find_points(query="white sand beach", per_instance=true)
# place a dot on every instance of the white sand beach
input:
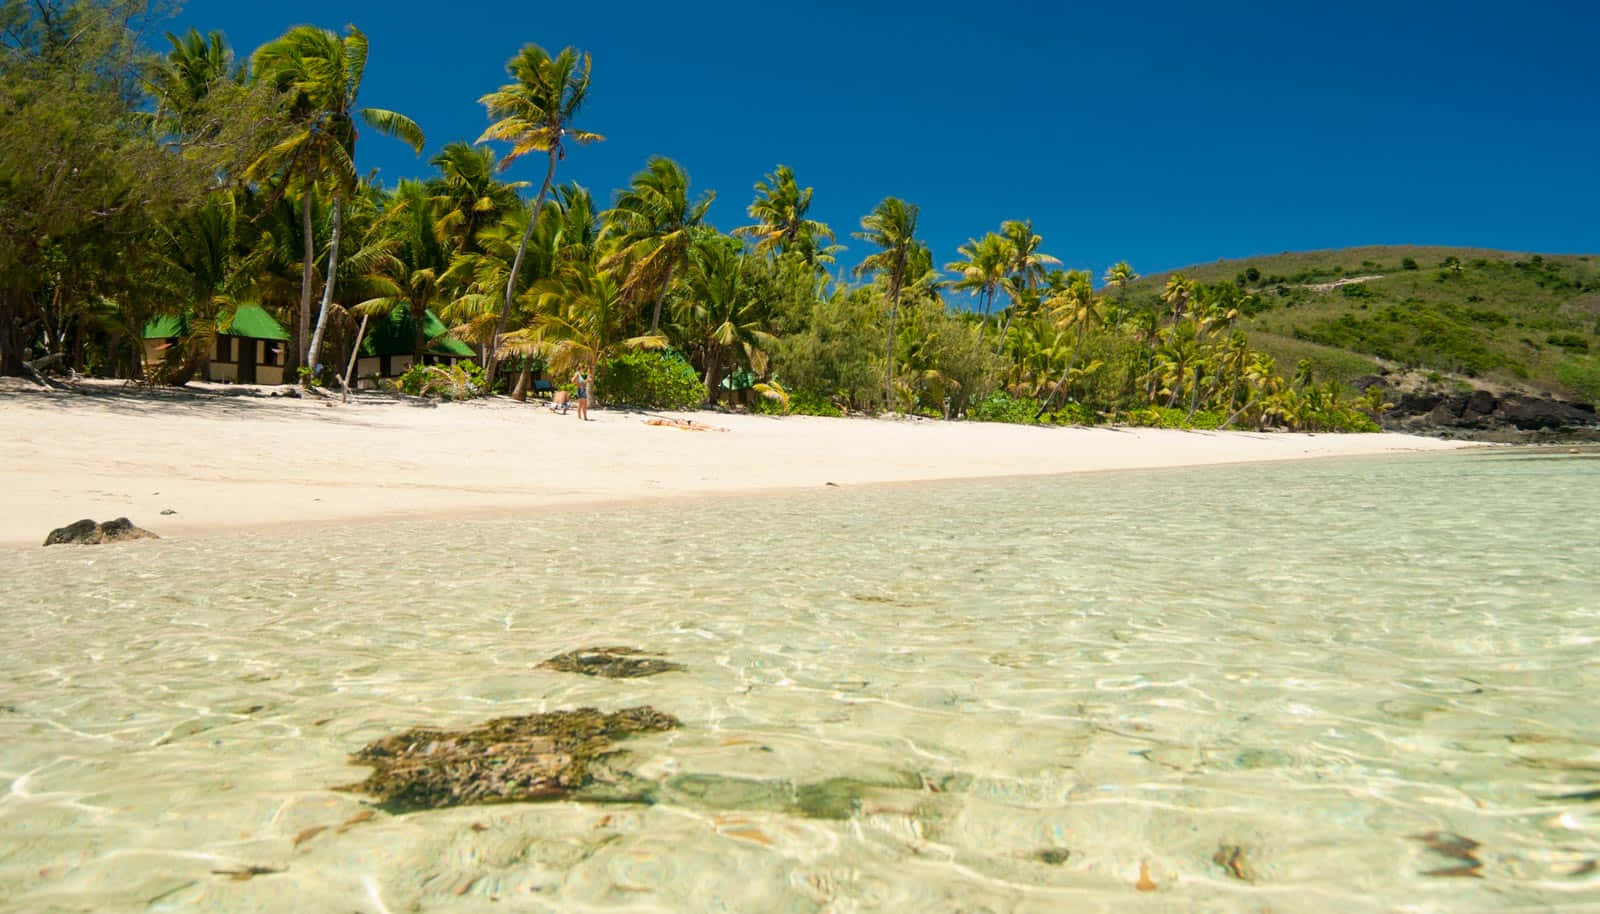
(218, 460)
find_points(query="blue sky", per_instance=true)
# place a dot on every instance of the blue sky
(1165, 134)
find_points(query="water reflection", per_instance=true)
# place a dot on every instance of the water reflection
(1344, 685)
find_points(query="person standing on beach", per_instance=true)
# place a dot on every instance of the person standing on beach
(583, 380)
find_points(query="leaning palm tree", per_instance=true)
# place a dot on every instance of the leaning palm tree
(654, 223)
(892, 226)
(1026, 266)
(183, 79)
(467, 194)
(984, 268)
(781, 225)
(581, 318)
(535, 114)
(726, 317)
(320, 74)
(1119, 275)
(1176, 294)
(1078, 308)
(408, 263)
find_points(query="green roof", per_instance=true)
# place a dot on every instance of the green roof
(395, 334)
(252, 321)
(245, 320)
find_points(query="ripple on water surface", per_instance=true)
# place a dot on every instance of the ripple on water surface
(1357, 685)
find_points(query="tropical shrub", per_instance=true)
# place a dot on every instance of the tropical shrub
(1582, 375)
(649, 380)
(1002, 407)
(1173, 417)
(1072, 414)
(801, 403)
(460, 381)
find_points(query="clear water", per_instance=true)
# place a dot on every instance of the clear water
(1284, 687)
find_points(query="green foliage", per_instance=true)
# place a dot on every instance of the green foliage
(1168, 417)
(1003, 407)
(1581, 375)
(649, 380)
(1071, 414)
(801, 403)
(463, 380)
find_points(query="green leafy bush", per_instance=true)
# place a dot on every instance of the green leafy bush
(649, 380)
(1582, 375)
(801, 403)
(806, 403)
(1072, 414)
(1002, 407)
(460, 381)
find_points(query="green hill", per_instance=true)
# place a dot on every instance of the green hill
(1527, 321)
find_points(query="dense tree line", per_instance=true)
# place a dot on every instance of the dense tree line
(135, 184)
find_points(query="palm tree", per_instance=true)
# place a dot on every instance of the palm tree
(729, 318)
(581, 317)
(1119, 275)
(1026, 266)
(535, 115)
(1178, 356)
(1177, 293)
(467, 195)
(985, 266)
(408, 267)
(186, 76)
(654, 224)
(892, 226)
(320, 74)
(1077, 308)
(781, 225)
(1147, 332)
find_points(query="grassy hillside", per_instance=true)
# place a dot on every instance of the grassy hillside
(1523, 320)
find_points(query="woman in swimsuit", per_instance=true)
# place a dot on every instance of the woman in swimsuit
(583, 381)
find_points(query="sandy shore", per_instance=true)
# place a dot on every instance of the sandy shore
(222, 461)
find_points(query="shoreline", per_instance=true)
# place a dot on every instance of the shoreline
(225, 460)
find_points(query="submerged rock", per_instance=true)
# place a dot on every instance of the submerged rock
(611, 662)
(508, 759)
(88, 533)
(1235, 861)
(832, 798)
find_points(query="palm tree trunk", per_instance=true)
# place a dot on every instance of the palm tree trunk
(1194, 396)
(1236, 413)
(302, 319)
(491, 356)
(1062, 383)
(419, 342)
(10, 331)
(315, 351)
(655, 317)
(713, 374)
(888, 362)
(355, 355)
(1006, 328)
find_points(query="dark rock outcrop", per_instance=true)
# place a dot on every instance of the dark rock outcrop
(1483, 413)
(88, 533)
(611, 662)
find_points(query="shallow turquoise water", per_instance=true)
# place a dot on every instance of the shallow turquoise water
(1356, 685)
